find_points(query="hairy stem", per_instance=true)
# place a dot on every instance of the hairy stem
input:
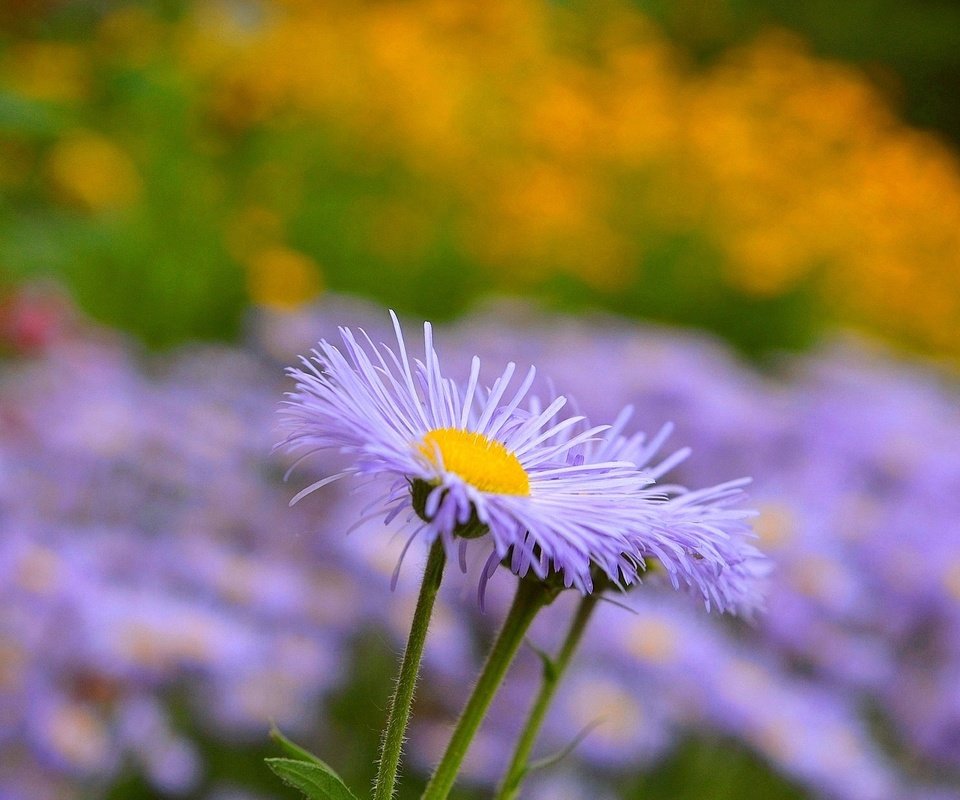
(391, 745)
(531, 596)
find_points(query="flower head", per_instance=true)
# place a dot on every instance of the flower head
(465, 461)
(700, 538)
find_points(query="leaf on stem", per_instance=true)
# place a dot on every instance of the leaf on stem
(549, 665)
(293, 750)
(304, 771)
(557, 757)
(618, 604)
(314, 778)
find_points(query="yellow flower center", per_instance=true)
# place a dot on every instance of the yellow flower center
(483, 463)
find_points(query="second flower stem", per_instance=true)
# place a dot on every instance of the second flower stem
(531, 596)
(553, 670)
(395, 731)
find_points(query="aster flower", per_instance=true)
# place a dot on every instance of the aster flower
(465, 461)
(700, 538)
(697, 538)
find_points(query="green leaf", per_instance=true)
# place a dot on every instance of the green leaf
(560, 755)
(295, 751)
(315, 779)
(546, 660)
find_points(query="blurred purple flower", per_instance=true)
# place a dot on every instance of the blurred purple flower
(146, 545)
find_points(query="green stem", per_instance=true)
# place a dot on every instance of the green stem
(531, 596)
(391, 744)
(552, 673)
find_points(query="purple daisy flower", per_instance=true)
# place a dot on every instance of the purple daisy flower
(700, 538)
(465, 461)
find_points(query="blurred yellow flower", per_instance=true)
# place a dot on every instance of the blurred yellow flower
(281, 278)
(130, 33)
(48, 70)
(93, 173)
(251, 230)
(543, 143)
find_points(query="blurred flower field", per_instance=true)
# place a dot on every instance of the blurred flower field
(161, 604)
(741, 218)
(173, 162)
